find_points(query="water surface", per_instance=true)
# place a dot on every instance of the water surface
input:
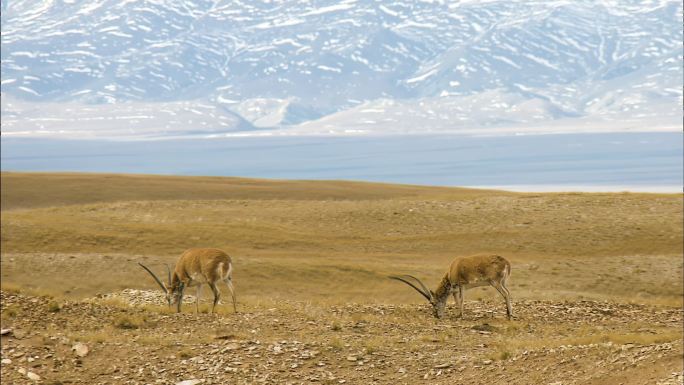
(622, 161)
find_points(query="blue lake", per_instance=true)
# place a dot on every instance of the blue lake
(641, 161)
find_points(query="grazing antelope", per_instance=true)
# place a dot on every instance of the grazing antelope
(464, 273)
(196, 267)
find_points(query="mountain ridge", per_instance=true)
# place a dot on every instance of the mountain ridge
(296, 66)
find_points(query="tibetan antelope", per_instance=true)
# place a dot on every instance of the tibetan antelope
(464, 273)
(196, 267)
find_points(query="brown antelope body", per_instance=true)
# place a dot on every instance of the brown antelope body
(197, 267)
(464, 273)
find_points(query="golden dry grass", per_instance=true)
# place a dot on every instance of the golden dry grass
(30, 190)
(333, 241)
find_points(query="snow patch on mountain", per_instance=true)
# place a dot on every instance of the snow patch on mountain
(289, 65)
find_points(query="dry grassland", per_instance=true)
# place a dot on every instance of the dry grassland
(305, 250)
(335, 241)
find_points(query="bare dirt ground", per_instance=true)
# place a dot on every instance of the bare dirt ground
(582, 342)
(597, 283)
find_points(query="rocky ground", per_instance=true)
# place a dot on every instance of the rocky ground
(128, 338)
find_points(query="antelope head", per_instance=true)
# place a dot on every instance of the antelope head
(438, 305)
(172, 295)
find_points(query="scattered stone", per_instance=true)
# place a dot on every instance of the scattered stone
(80, 349)
(231, 346)
(134, 297)
(5, 332)
(32, 376)
(190, 382)
(18, 334)
(229, 354)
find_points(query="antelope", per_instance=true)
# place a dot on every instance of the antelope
(196, 267)
(464, 273)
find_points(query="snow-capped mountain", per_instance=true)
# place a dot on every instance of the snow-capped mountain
(355, 66)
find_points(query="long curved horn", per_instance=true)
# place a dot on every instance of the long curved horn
(423, 293)
(168, 270)
(155, 277)
(421, 285)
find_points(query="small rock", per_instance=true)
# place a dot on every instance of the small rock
(80, 349)
(351, 358)
(487, 362)
(33, 376)
(231, 346)
(4, 332)
(18, 334)
(190, 382)
(6, 361)
(22, 371)
(442, 366)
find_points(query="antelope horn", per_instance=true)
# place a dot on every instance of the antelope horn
(421, 285)
(421, 291)
(168, 270)
(155, 277)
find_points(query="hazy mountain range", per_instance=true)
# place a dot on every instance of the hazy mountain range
(161, 68)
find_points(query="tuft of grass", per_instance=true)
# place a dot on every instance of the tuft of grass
(510, 346)
(185, 353)
(11, 287)
(126, 321)
(54, 307)
(336, 343)
(95, 336)
(115, 302)
(152, 340)
(28, 289)
(159, 309)
(372, 345)
(502, 355)
(9, 312)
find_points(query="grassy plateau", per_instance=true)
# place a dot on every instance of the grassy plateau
(308, 249)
